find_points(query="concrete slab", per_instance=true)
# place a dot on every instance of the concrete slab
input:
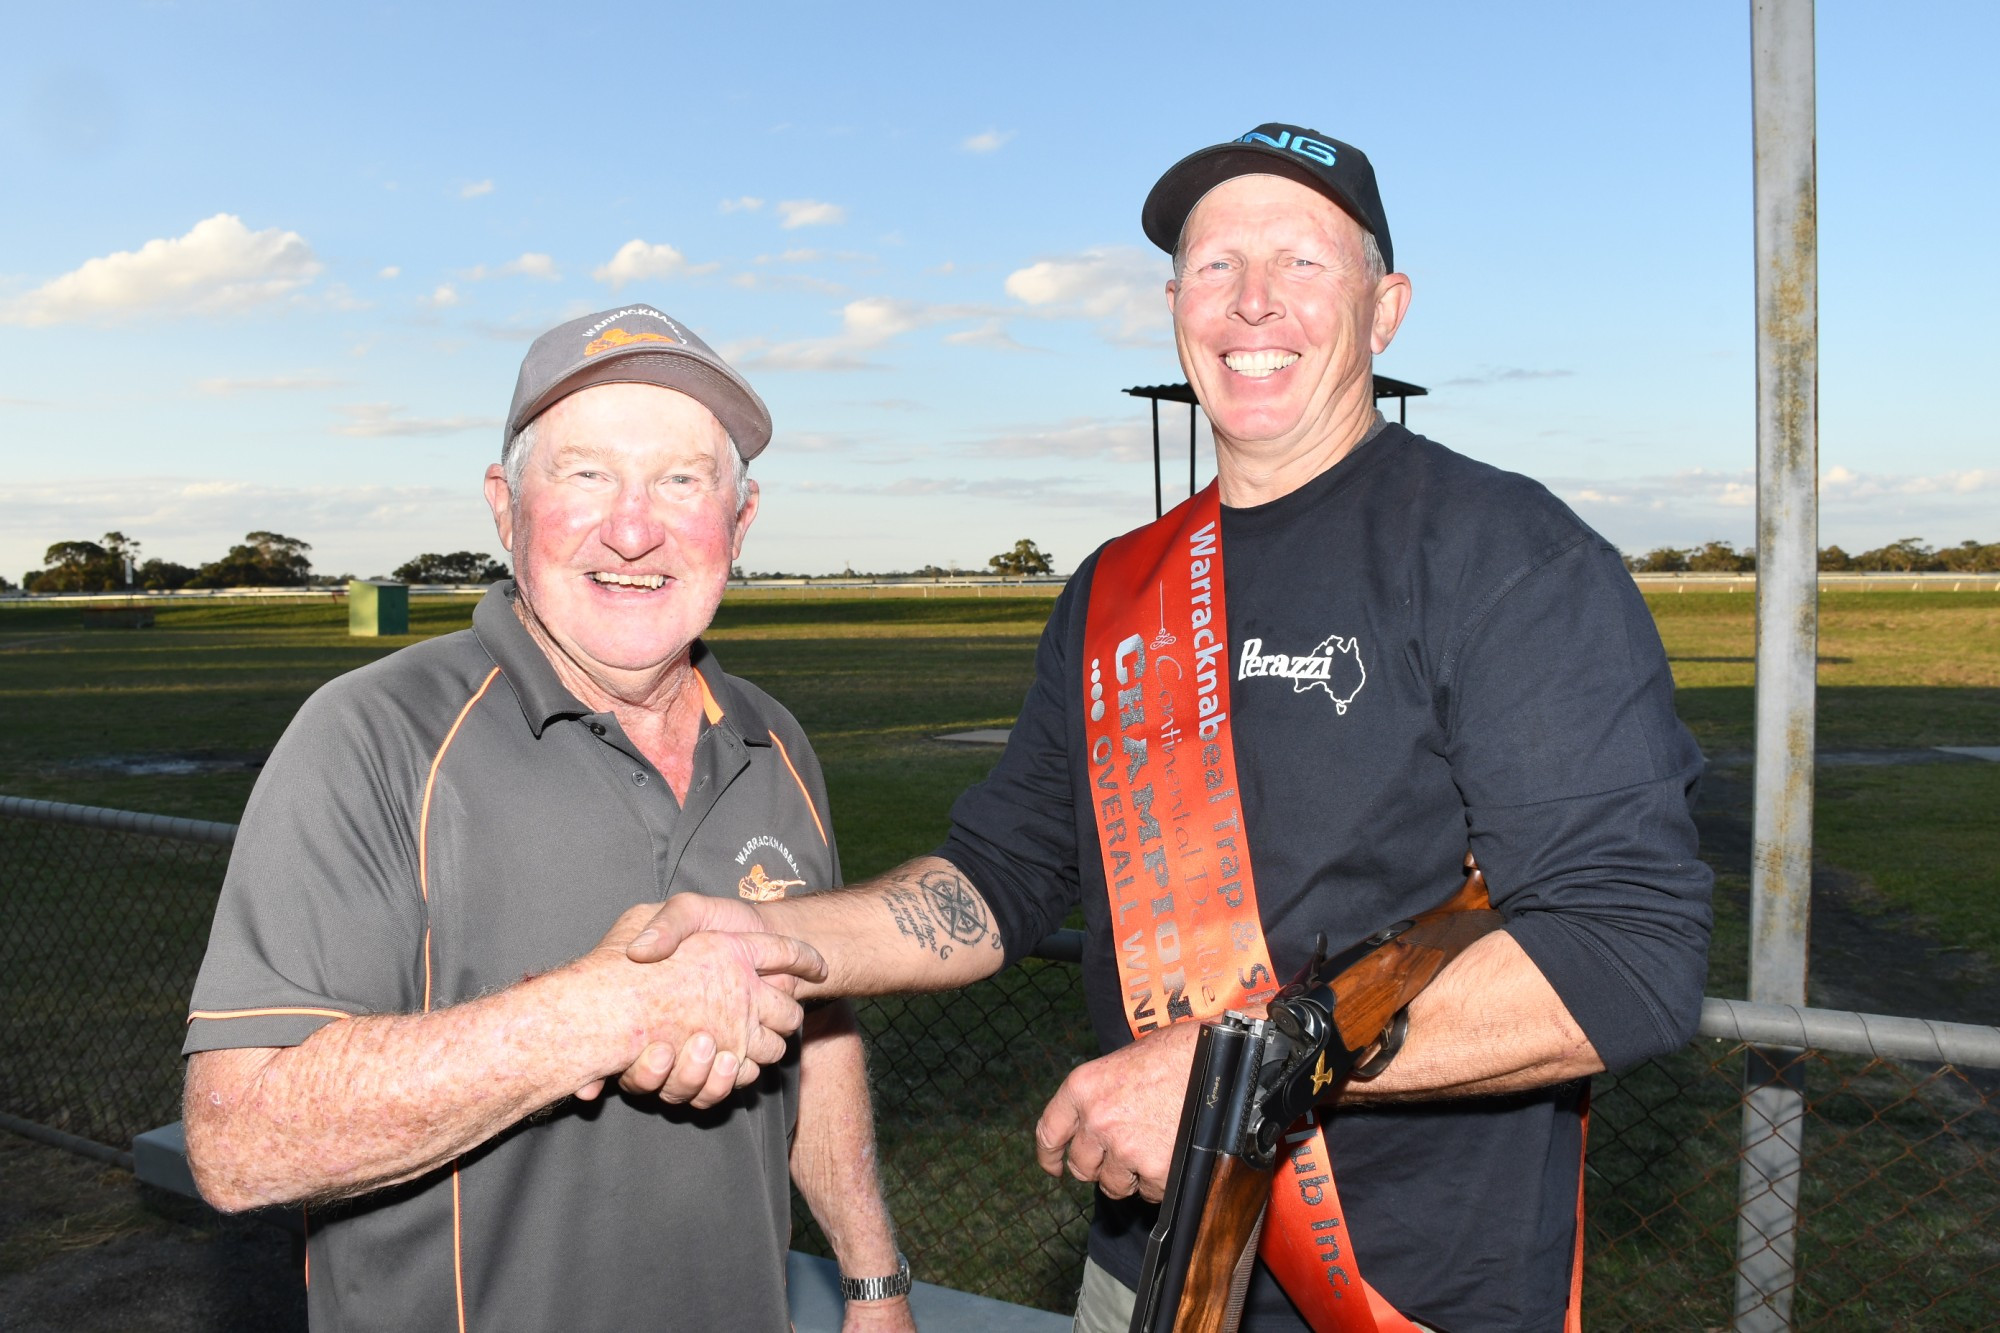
(987, 736)
(816, 1306)
(1990, 753)
(160, 1159)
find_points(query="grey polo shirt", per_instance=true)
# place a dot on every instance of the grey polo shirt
(440, 824)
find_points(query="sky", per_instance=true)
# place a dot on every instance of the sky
(274, 266)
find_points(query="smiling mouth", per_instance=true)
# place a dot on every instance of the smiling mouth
(1259, 365)
(644, 582)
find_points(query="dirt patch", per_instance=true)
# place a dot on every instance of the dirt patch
(84, 1247)
(1865, 953)
(174, 763)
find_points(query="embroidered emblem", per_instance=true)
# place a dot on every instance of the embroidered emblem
(615, 337)
(759, 887)
(1334, 666)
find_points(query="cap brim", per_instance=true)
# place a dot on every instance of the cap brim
(739, 409)
(1174, 196)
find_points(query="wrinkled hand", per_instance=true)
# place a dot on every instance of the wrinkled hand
(890, 1316)
(1114, 1118)
(709, 1016)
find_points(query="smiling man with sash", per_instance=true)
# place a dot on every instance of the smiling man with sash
(1289, 708)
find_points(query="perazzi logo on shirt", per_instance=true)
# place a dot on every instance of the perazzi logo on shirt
(1334, 666)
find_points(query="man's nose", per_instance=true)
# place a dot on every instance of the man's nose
(631, 529)
(1256, 295)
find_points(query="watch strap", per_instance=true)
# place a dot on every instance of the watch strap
(877, 1288)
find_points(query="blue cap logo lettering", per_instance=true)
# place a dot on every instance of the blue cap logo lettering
(1321, 153)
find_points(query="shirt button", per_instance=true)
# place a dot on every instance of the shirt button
(597, 728)
(638, 777)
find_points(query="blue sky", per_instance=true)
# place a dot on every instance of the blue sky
(270, 266)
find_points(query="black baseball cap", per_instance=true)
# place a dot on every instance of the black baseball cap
(636, 344)
(1337, 170)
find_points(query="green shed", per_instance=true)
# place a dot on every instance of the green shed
(377, 607)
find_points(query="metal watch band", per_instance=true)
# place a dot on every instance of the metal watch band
(877, 1288)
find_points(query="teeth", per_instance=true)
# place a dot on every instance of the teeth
(1259, 364)
(631, 580)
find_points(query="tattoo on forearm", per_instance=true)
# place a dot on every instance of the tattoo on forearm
(941, 912)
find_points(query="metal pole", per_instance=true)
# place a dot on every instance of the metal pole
(1192, 410)
(1787, 226)
(1159, 504)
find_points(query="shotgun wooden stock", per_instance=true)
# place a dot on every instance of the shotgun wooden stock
(1341, 1018)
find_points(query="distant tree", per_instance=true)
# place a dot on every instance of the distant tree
(458, 567)
(1905, 555)
(5, 586)
(1971, 558)
(1720, 558)
(1660, 560)
(158, 575)
(1832, 560)
(263, 560)
(97, 566)
(1025, 558)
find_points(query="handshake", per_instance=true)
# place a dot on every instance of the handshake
(702, 993)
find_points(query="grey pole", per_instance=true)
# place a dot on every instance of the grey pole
(1787, 225)
(1192, 410)
(1159, 504)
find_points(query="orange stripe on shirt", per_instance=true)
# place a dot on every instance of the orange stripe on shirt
(786, 756)
(424, 818)
(709, 707)
(265, 1013)
(457, 1250)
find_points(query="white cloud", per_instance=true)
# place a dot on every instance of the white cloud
(1120, 288)
(638, 260)
(444, 296)
(476, 189)
(391, 271)
(225, 387)
(991, 333)
(380, 420)
(865, 324)
(741, 204)
(1510, 376)
(219, 266)
(1122, 439)
(529, 265)
(809, 213)
(988, 142)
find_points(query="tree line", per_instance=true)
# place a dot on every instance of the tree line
(1906, 555)
(114, 563)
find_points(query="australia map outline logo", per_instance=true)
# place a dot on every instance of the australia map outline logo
(1333, 666)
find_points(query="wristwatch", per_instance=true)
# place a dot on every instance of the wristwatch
(877, 1288)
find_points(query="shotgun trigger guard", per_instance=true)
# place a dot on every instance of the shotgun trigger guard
(1388, 1048)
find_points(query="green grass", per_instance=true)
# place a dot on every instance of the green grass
(960, 1078)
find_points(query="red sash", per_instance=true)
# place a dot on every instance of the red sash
(1177, 860)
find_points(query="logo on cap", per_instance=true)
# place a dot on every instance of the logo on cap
(611, 338)
(1321, 153)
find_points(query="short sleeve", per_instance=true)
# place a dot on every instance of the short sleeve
(1578, 778)
(321, 914)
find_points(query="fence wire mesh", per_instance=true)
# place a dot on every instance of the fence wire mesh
(1899, 1217)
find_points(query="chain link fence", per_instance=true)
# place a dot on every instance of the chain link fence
(1897, 1221)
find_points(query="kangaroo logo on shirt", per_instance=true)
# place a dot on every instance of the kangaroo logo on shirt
(1334, 666)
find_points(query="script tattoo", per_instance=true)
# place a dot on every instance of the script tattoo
(941, 911)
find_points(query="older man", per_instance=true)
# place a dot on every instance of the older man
(416, 988)
(1290, 707)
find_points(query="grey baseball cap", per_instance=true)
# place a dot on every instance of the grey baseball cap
(636, 344)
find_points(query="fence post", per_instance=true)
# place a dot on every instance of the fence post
(1781, 57)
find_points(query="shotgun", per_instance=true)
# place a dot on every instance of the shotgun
(1342, 1017)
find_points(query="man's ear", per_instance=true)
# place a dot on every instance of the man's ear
(500, 499)
(744, 517)
(1173, 289)
(1392, 302)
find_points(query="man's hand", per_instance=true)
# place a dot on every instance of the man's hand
(660, 933)
(1114, 1118)
(708, 1017)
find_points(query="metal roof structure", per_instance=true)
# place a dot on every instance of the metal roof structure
(1385, 387)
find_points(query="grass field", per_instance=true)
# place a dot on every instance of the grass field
(211, 686)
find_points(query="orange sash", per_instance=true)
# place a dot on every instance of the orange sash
(1177, 860)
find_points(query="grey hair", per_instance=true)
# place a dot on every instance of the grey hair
(1371, 256)
(514, 461)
